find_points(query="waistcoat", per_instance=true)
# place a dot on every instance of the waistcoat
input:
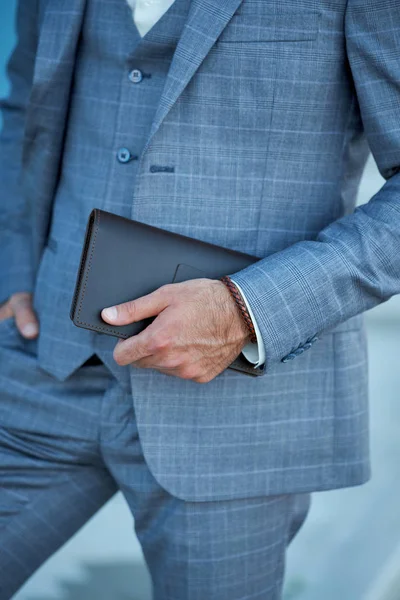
(118, 80)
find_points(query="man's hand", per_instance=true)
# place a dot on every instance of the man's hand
(197, 333)
(19, 306)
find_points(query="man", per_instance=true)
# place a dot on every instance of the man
(238, 122)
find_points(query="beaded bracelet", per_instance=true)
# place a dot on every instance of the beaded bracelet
(240, 303)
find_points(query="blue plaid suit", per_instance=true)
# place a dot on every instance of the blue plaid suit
(266, 116)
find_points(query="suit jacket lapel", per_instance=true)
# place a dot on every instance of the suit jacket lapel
(206, 20)
(55, 61)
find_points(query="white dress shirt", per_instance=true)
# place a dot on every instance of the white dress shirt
(145, 14)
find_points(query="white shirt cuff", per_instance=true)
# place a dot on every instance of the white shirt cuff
(254, 353)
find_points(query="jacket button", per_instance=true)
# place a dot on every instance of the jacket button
(136, 76)
(299, 351)
(290, 356)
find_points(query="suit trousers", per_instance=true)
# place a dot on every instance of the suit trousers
(67, 447)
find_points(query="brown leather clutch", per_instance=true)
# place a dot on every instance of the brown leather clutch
(123, 259)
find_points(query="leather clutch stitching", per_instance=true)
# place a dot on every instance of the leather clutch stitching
(96, 226)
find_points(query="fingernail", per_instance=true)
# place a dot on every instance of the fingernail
(30, 330)
(110, 313)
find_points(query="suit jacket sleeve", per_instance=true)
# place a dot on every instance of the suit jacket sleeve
(354, 263)
(15, 232)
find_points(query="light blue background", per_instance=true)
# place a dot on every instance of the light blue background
(7, 37)
(349, 548)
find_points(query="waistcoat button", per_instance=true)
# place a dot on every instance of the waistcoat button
(136, 76)
(123, 155)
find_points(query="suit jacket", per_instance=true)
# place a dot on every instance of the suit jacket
(265, 114)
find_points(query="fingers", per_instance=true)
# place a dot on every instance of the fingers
(25, 318)
(158, 353)
(149, 343)
(131, 350)
(6, 311)
(136, 310)
(161, 362)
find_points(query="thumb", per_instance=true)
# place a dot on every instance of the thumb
(24, 314)
(135, 310)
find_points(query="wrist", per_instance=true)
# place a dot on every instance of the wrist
(242, 309)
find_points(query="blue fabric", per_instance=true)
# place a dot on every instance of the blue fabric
(257, 139)
(58, 471)
(109, 116)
